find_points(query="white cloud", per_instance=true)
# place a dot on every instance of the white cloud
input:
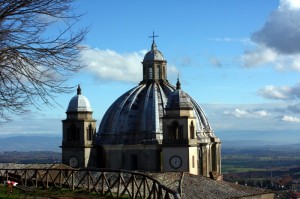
(259, 56)
(290, 119)
(295, 64)
(289, 4)
(263, 55)
(261, 117)
(277, 42)
(109, 65)
(281, 92)
(288, 62)
(272, 92)
(247, 113)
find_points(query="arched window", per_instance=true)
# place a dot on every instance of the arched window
(90, 132)
(150, 72)
(163, 72)
(176, 131)
(157, 74)
(192, 131)
(74, 133)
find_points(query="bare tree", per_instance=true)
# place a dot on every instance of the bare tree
(38, 52)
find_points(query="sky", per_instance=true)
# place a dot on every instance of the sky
(240, 60)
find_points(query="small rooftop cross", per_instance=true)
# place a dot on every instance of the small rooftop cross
(153, 36)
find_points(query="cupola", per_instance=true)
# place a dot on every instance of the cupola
(79, 103)
(154, 65)
(178, 99)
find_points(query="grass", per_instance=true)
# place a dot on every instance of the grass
(61, 193)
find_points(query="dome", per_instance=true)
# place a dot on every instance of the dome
(136, 116)
(154, 54)
(179, 99)
(79, 103)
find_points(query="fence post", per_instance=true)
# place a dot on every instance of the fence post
(6, 173)
(144, 186)
(73, 180)
(25, 177)
(36, 178)
(132, 185)
(89, 180)
(60, 177)
(102, 191)
(47, 180)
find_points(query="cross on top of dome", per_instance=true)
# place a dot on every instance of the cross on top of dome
(154, 54)
(153, 36)
(153, 46)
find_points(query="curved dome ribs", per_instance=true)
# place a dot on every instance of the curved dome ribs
(155, 113)
(145, 116)
(136, 116)
(162, 103)
(164, 91)
(107, 120)
(159, 107)
(204, 126)
(110, 121)
(79, 103)
(126, 122)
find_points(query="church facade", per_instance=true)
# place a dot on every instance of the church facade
(154, 126)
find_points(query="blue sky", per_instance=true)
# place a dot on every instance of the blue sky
(240, 60)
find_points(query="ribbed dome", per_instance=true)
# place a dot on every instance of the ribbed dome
(154, 54)
(136, 116)
(79, 103)
(179, 99)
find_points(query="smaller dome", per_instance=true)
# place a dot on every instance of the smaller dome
(79, 103)
(179, 99)
(154, 54)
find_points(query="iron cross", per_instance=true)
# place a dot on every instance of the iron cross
(153, 36)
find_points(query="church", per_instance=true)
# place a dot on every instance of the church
(155, 126)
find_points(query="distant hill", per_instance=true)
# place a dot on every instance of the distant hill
(246, 143)
(257, 138)
(31, 143)
(229, 139)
